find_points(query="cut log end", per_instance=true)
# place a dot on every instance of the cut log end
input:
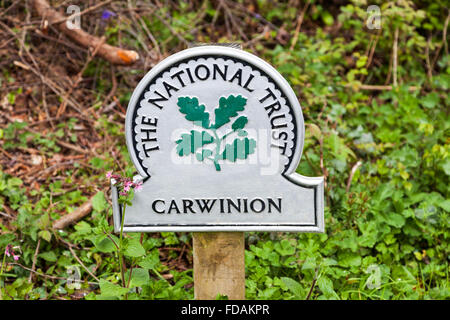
(128, 56)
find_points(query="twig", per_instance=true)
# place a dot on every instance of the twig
(10, 7)
(44, 104)
(150, 35)
(181, 254)
(427, 60)
(6, 215)
(372, 50)
(377, 87)
(65, 43)
(444, 41)
(371, 53)
(312, 284)
(310, 163)
(74, 216)
(394, 60)
(112, 240)
(38, 273)
(139, 34)
(24, 29)
(62, 143)
(228, 12)
(112, 92)
(45, 275)
(48, 82)
(254, 14)
(324, 170)
(78, 78)
(389, 73)
(82, 264)
(352, 173)
(168, 26)
(299, 25)
(33, 266)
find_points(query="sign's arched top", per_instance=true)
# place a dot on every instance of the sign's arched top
(211, 88)
(219, 133)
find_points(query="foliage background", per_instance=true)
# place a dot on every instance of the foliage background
(377, 129)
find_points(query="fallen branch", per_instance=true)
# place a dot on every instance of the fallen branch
(376, 87)
(74, 216)
(113, 54)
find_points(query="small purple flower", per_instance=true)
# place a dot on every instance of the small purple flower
(106, 14)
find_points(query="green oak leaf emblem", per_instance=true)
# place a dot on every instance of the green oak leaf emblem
(195, 141)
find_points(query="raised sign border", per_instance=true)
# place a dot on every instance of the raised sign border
(317, 183)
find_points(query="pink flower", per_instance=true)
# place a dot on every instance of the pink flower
(138, 186)
(123, 193)
(127, 185)
(109, 174)
(8, 247)
(9, 250)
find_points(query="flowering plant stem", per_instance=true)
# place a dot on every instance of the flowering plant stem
(122, 271)
(1, 276)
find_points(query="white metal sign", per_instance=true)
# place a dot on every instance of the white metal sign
(217, 134)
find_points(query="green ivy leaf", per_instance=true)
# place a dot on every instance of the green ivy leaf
(228, 108)
(105, 244)
(293, 286)
(134, 249)
(190, 142)
(99, 202)
(347, 259)
(45, 234)
(284, 248)
(49, 256)
(326, 286)
(109, 289)
(151, 261)
(395, 220)
(239, 149)
(6, 238)
(139, 277)
(327, 18)
(430, 100)
(194, 111)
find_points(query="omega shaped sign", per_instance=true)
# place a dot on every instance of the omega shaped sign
(217, 134)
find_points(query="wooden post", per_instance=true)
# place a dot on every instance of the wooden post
(219, 266)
